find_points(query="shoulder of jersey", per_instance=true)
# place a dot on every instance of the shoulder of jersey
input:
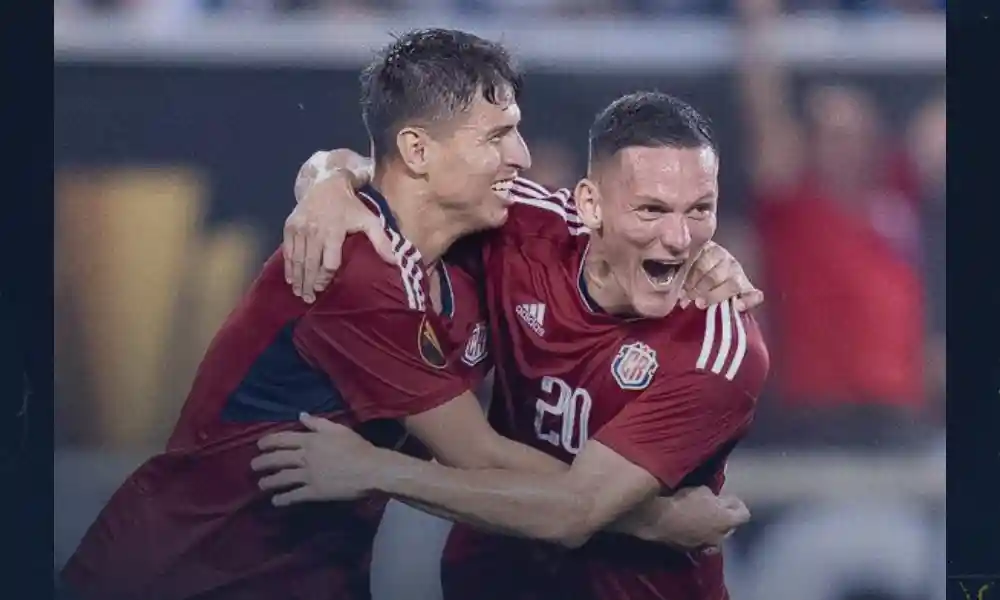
(722, 341)
(540, 211)
(363, 266)
(732, 345)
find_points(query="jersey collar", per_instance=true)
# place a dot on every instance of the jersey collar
(581, 286)
(381, 205)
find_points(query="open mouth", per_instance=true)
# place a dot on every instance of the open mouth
(660, 272)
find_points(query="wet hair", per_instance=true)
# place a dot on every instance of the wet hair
(650, 120)
(430, 75)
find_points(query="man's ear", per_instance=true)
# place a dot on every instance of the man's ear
(588, 203)
(413, 144)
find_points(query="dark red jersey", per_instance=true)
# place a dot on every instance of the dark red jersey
(192, 523)
(672, 395)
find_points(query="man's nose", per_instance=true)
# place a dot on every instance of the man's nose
(516, 153)
(675, 234)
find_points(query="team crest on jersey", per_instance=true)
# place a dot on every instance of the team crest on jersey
(430, 347)
(475, 348)
(634, 366)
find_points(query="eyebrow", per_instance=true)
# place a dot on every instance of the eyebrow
(708, 198)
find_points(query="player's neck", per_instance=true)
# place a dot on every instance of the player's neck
(602, 286)
(421, 220)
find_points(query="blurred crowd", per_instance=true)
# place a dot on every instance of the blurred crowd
(561, 8)
(847, 225)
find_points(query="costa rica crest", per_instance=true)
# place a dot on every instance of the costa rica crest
(634, 366)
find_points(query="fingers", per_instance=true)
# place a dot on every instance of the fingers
(333, 256)
(702, 279)
(298, 260)
(285, 478)
(313, 254)
(725, 281)
(332, 247)
(319, 424)
(720, 292)
(300, 494)
(288, 244)
(749, 300)
(323, 279)
(284, 440)
(278, 459)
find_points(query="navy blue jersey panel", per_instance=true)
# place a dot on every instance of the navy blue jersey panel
(280, 385)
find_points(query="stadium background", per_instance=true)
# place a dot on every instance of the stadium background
(179, 126)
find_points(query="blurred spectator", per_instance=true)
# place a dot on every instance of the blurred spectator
(840, 247)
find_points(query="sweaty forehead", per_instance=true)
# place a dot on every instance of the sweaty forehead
(670, 174)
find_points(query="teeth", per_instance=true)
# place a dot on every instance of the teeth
(503, 186)
(664, 280)
(660, 282)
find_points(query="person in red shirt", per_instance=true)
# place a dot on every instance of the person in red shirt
(839, 240)
(596, 366)
(371, 355)
(392, 351)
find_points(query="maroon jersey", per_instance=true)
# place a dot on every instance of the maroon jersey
(672, 395)
(192, 523)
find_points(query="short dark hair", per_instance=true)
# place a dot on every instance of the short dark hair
(648, 119)
(430, 74)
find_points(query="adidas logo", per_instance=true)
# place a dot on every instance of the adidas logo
(532, 313)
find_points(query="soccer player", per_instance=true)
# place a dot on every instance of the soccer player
(596, 365)
(394, 349)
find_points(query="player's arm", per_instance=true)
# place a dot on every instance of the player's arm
(649, 448)
(644, 452)
(776, 141)
(458, 435)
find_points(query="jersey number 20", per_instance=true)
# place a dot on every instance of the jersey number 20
(570, 406)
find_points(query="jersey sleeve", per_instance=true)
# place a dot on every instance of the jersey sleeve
(673, 430)
(370, 333)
